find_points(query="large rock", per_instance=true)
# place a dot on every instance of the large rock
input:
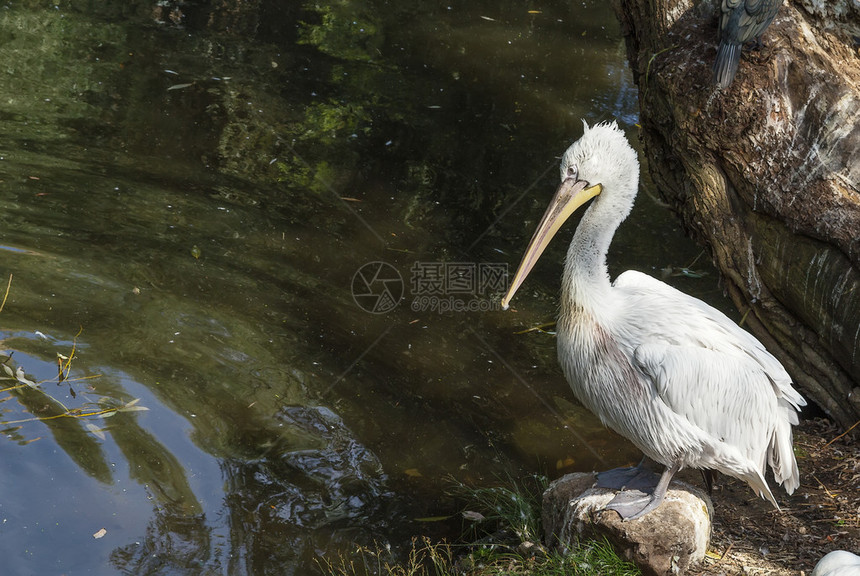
(668, 540)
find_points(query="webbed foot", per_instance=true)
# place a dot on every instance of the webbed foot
(631, 504)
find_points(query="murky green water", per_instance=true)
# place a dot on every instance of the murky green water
(189, 190)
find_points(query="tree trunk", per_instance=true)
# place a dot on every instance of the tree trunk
(766, 173)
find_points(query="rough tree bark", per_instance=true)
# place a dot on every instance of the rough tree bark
(766, 173)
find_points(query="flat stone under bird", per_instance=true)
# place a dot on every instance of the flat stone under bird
(740, 22)
(675, 376)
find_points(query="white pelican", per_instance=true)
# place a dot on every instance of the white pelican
(675, 376)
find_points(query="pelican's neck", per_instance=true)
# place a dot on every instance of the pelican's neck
(586, 287)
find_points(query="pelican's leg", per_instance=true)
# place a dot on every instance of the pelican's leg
(709, 476)
(632, 504)
(640, 477)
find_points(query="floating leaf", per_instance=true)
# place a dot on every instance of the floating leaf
(195, 251)
(100, 534)
(432, 519)
(96, 430)
(132, 407)
(108, 414)
(179, 86)
(690, 273)
(22, 378)
(413, 472)
(473, 516)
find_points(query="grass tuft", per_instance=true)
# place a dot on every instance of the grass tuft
(502, 536)
(428, 558)
(425, 559)
(511, 508)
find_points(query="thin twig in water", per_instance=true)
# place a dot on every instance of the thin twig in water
(67, 368)
(6, 295)
(75, 413)
(538, 328)
(696, 259)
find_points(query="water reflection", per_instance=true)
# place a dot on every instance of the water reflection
(190, 189)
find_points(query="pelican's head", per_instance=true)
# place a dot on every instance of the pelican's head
(601, 162)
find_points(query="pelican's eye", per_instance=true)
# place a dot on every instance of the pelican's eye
(573, 172)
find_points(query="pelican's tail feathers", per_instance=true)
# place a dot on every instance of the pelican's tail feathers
(781, 452)
(745, 469)
(726, 64)
(756, 481)
(791, 402)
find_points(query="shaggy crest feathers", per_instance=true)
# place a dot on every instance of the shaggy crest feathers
(603, 155)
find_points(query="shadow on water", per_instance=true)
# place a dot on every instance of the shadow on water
(189, 191)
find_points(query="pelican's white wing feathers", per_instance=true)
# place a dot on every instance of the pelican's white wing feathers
(707, 369)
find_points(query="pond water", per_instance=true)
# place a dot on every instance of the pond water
(255, 252)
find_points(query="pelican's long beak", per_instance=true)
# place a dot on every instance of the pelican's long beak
(570, 195)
